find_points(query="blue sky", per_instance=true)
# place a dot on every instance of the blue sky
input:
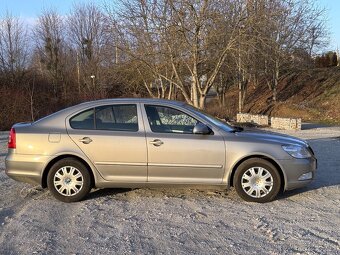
(29, 9)
(32, 8)
(333, 10)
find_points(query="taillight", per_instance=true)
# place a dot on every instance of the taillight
(12, 139)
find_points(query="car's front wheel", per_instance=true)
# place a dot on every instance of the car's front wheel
(257, 180)
(69, 180)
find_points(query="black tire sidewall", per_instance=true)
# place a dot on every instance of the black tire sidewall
(86, 180)
(257, 162)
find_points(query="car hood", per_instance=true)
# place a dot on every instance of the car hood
(270, 137)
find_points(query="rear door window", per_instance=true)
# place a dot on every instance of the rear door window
(117, 117)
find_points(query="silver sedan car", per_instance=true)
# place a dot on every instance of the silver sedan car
(130, 143)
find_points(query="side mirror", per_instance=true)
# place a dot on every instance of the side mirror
(201, 129)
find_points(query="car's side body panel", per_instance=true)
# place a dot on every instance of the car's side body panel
(25, 168)
(119, 156)
(240, 147)
(184, 158)
(128, 159)
(37, 146)
(112, 154)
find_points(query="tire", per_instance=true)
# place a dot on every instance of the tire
(257, 180)
(69, 180)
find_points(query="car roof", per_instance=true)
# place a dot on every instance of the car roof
(58, 118)
(132, 100)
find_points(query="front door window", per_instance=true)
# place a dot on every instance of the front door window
(169, 120)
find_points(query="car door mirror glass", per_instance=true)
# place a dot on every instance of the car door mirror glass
(202, 129)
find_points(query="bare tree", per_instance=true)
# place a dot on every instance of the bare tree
(291, 25)
(49, 36)
(14, 48)
(183, 42)
(87, 33)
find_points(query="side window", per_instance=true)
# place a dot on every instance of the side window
(83, 120)
(117, 117)
(168, 120)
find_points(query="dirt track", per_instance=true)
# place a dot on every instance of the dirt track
(304, 221)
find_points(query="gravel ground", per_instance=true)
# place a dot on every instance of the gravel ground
(169, 221)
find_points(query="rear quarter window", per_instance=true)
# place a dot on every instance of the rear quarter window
(83, 120)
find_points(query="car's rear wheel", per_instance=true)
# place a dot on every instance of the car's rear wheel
(257, 180)
(69, 180)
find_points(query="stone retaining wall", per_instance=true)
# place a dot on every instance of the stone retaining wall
(275, 122)
(261, 120)
(285, 123)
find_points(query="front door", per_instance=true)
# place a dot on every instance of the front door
(175, 154)
(113, 138)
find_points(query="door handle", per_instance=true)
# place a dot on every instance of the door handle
(156, 142)
(85, 140)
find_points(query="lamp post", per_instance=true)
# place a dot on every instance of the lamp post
(93, 85)
(92, 77)
(240, 85)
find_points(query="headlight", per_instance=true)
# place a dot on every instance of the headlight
(296, 151)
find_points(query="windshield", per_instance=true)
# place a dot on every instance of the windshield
(219, 123)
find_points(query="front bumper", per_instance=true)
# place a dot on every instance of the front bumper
(293, 169)
(25, 168)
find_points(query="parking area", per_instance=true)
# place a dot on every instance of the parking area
(171, 221)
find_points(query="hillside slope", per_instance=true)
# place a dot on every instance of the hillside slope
(313, 95)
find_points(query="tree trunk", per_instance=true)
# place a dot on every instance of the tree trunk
(274, 94)
(202, 102)
(194, 92)
(163, 88)
(148, 89)
(32, 103)
(243, 97)
(170, 91)
(78, 74)
(158, 92)
(240, 96)
(219, 97)
(276, 80)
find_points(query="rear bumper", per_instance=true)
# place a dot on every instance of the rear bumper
(294, 168)
(25, 168)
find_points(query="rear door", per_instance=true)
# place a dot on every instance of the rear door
(113, 138)
(175, 154)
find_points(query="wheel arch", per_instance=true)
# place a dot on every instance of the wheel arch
(265, 157)
(60, 157)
